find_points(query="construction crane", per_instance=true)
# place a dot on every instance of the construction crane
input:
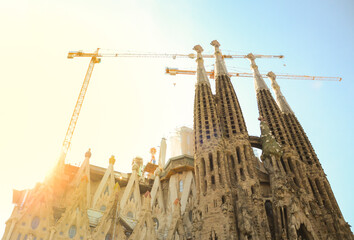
(95, 58)
(74, 54)
(175, 71)
(80, 100)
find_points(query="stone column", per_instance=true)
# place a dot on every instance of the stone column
(13, 223)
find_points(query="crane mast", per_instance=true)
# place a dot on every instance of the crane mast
(77, 109)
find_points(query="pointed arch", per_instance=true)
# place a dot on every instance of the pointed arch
(156, 194)
(131, 188)
(189, 188)
(107, 184)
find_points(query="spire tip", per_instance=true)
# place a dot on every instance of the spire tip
(250, 56)
(112, 160)
(215, 43)
(88, 153)
(271, 75)
(198, 48)
(220, 67)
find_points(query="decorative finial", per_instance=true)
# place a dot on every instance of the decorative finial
(250, 56)
(220, 67)
(201, 73)
(112, 160)
(259, 82)
(215, 43)
(88, 153)
(271, 75)
(198, 48)
(282, 103)
(153, 152)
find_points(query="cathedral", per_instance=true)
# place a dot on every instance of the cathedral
(214, 188)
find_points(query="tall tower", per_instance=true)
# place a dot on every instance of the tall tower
(301, 193)
(288, 171)
(270, 112)
(231, 118)
(268, 108)
(239, 159)
(323, 197)
(209, 163)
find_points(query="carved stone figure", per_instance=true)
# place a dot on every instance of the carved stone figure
(246, 222)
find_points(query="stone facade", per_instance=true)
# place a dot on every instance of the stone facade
(222, 192)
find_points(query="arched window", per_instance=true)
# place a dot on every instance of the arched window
(238, 154)
(218, 159)
(212, 179)
(211, 164)
(35, 222)
(181, 186)
(157, 224)
(203, 166)
(72, 231)
(232, 161)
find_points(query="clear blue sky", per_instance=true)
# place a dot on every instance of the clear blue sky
(39, 86)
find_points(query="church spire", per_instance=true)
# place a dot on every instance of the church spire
(206, 123)
(258, 80)
(220, 67)
(230, 114)
(268, 108)
(282, 103)
(201, 73)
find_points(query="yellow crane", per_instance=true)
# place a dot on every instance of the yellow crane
(175, 71)
(74, 54)
(95, 58)
(77, 109)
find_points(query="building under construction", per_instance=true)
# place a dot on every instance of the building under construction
(214, 188)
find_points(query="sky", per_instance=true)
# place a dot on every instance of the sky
(131, 103)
